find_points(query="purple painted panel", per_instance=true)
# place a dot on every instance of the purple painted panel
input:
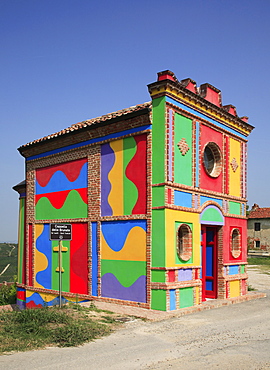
(185, 274)
(107, 162)
(111, 288)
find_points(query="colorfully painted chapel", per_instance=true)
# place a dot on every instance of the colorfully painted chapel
(154, 197)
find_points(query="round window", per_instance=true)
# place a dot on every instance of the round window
(212, 159)
(184, 242)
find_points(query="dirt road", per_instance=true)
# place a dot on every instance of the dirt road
(231, 337)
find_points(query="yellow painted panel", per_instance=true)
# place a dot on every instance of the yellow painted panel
(172, 216)
(115, 177)
(234, 288)
(134, 248)
(197, 295)
(235, 176)
(41, 262)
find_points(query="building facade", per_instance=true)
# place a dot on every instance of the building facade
(258, 229)
(155, 196)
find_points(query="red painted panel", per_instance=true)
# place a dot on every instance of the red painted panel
(171, 276)
(206, 181)
(136, 172)
(30, 255)
(70, 169)
(79, 259)
(232, 222)
(58, 199)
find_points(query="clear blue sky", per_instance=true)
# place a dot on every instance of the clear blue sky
(64, 61)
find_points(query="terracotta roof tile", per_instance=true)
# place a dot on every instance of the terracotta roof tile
(90, 122)
(260, 213)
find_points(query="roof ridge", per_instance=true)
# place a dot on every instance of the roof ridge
(90, 122)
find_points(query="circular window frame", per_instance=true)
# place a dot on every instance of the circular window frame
(215, 151)
(236, 242)
(184, 242)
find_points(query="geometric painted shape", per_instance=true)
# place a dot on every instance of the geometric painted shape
(158, 276)
(94, 259)
(182, 162)
(204, 199)
(182, 199)
(123, 176)
(183, 146)
(235, 208)
(234, 288)
(212, 215)
(172, 299)
(184, 274)
(233, 269)
(234, 164)
(111, 288)
(158, 300)
(123, 260)
(186, 298)
(61, 191)
(119, 238)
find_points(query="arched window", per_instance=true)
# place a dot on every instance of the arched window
(184, 242)
(235, 243)
(212, 159)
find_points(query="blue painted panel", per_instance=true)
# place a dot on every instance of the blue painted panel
(172, 299)
(94, 260)
(185, 274)
(233, 270)
(207, 199)
(182, 199)
(209, 285)
(209, 261)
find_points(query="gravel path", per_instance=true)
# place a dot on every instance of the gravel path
(231, 337)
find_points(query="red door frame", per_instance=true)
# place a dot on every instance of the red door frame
(213, 278)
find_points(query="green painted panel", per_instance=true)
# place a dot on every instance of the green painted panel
(212, 214)
(65, 265)
(74, 207)
(186, 297)
(130, 190)
(158, 276)
(177, 259)
(126, 272)
(158, 238)
(158, 301)
(242, 269)
(21, 240)
(235, 208)
(158, 196)
(182, 163)
(158, 140)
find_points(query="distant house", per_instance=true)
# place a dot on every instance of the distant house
(148, 204)
(259, 228)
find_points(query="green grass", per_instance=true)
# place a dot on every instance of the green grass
(8, 260)
(71, 325)
(259, 261)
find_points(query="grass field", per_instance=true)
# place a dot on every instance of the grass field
(8, 262)
(71, 325)
(261, 263)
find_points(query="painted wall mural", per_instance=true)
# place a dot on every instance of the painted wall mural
(123, 260)
(61, 191)
(74, 260)
(123, 177)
